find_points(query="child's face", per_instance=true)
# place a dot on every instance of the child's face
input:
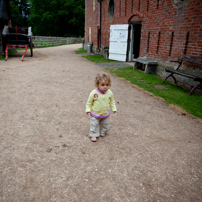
(103, 85)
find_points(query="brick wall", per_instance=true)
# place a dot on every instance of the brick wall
(170, 29)
(92, 19)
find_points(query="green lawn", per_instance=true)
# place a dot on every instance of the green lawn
(171, 94)
(80, 51)
(97, 59)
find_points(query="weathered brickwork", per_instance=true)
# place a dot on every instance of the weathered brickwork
(92, 21)
(171, 31)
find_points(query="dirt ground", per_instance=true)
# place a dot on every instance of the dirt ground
(152, 152)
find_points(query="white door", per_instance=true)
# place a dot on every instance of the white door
(118, 42)
(130, 54)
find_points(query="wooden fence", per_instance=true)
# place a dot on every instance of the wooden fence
(44, 41)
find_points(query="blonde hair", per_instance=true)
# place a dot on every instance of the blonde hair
(104, 77)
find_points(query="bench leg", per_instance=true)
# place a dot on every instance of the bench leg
(147, 69)
(172, 77)
(194, 88)
(135, 66)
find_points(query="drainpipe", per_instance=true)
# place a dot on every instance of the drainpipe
(99, 31)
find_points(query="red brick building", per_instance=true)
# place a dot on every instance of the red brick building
(162, 29)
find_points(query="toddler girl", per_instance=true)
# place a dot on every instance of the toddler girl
(98, 107)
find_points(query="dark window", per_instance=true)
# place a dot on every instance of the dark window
(120, 9)
(148, 42)
(159, 36)
(157, 4)
(125, 6)
(139, 6)
(111, 10)
(186, 43)
(171, 43)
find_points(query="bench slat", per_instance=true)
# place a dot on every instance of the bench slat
(191, 59)
(182, 74)
(145, 61)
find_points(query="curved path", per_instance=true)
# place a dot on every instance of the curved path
(152, 152)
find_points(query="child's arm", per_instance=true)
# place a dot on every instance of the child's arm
(89, 104)
(112, 104)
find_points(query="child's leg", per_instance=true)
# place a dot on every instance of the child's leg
(94, 127)
(104, 125)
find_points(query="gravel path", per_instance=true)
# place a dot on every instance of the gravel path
(152, 152)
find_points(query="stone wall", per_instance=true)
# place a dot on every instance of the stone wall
(43, 41)
(72, 40)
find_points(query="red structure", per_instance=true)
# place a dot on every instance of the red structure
(168, 28)
(160, 30)
(18, 37)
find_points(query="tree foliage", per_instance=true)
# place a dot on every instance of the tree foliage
(20, 11)
(57, 17)
(50, 17)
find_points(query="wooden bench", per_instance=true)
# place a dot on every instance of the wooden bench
(190, 59)
(149, 64)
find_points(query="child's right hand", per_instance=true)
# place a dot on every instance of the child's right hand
(87, 113)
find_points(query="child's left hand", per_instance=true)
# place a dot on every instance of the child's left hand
(114, 112)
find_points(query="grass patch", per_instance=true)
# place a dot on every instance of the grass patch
(97, 59)
(10, 53)
(171, 94)
(80, 51)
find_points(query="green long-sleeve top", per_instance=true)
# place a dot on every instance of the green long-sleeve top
(98, 103)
